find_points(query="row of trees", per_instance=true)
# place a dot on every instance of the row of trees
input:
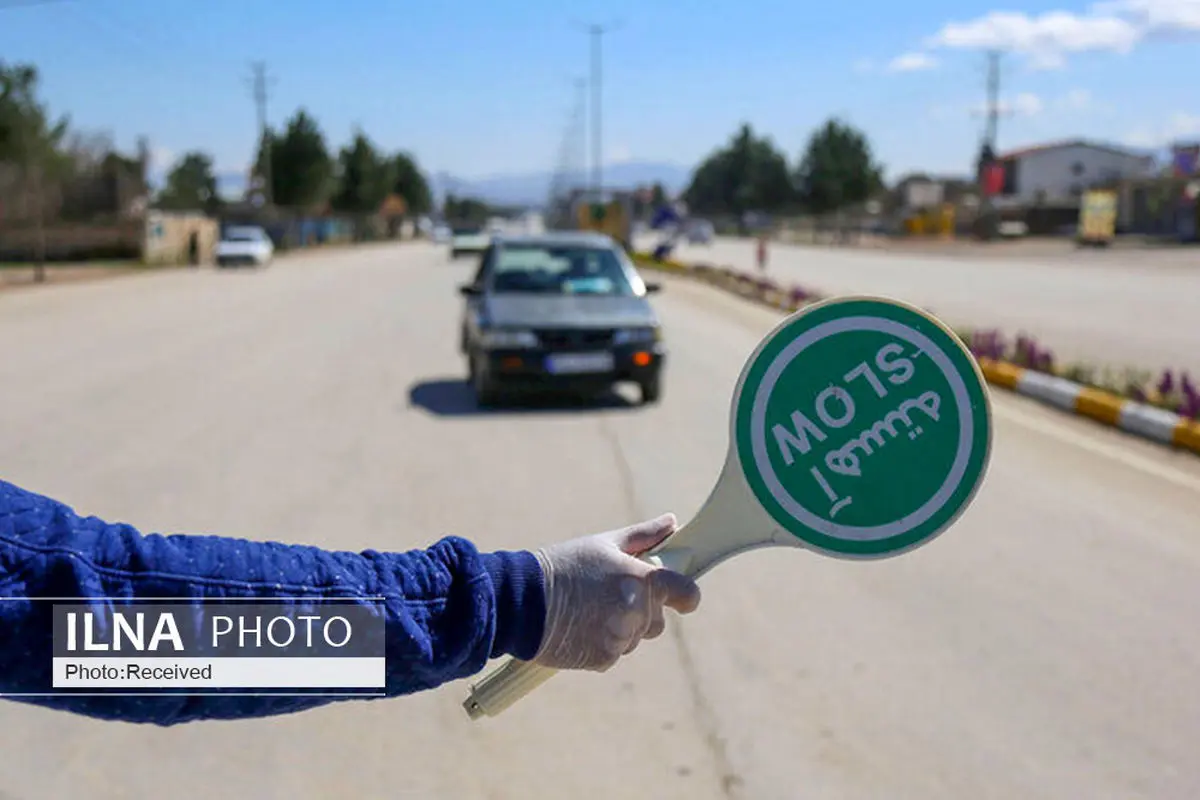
(41, 156)
(749, 173)
(300, 171)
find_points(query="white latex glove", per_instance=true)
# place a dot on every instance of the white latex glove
(601, 600)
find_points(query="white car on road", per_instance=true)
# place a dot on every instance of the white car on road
(244, 245)
(469, 240)
(699, 231)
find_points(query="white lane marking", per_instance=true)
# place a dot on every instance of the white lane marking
(1118, 454)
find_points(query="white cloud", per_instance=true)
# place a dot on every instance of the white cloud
(1154, 16)
(1045, 39)
(1180, 126)
(161, 158)
(619, 154)
(912, 62)
(1078, 100)
(1025, 104)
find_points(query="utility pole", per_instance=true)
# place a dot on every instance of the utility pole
(987, 150)
(572, 156)
(596, 32)
(993, 99)
(578, 132)
(261, 93)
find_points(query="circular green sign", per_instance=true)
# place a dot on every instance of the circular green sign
(862, 426)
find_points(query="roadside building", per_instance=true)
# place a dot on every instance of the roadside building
(1058, 173)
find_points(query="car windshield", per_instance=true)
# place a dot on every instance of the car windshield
(545, 269)
(467, 231)
(242, 236)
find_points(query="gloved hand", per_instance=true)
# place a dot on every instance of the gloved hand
(601, 600)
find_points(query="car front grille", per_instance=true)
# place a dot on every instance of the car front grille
(575, 338)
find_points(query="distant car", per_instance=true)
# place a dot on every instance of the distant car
(244, 245)
(561, 310)
(468, 241)
(700, 231)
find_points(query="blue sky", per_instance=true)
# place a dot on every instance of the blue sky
(483, 87)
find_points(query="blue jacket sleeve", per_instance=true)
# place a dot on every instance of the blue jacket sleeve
(449, 608)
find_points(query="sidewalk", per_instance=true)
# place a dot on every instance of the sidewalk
(15, 277)
(22, 276)
(1032, 247)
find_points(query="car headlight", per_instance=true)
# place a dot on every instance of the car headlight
(501, 339)
(636, 336)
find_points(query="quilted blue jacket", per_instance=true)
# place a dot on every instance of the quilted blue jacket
(449, 608)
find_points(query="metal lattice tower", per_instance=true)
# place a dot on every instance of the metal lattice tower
(571, 154)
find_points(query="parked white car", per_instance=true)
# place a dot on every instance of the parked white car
(468, 240)
(699, 231)
(244, 245)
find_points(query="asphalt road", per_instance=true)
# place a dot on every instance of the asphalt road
(1044, 648)
(1126, 308)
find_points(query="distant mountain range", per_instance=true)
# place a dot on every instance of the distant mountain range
(521, 189)
(534, 187)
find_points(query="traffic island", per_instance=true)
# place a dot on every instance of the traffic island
(1166, 410)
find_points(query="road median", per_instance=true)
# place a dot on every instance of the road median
(1164, 412)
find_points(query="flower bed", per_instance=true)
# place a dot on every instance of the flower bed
(1172, 390)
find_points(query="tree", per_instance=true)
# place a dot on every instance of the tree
(658, 196)
(837, 169)
(748, 174)
(301, 168)
(409, 182)
(466, 210)
(191, 185)
(364, 179)
(32, 141)
(27, 133)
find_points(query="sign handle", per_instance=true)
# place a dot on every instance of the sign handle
(693, 550)
(505, 686)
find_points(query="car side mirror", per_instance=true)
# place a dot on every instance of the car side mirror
(653, 288)
(468, 290)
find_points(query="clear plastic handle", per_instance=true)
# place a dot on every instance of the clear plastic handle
(505, 686)
(516, 678)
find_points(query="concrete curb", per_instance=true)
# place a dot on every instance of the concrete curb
(1139, 419)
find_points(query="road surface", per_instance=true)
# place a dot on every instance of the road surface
(1044, 648)
(1127, 308)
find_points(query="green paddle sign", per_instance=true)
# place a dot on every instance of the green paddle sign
(862, 426)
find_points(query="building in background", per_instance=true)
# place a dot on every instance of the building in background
(1057, 174)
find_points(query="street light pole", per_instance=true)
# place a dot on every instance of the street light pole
(597, 34)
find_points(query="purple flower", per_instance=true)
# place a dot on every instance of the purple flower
(1188, 388)
(1190, 407)
(798, 295)
(1166, 384)
(1137, 393)
(1045, 361)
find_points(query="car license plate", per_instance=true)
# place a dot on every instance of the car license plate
(575, 363)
